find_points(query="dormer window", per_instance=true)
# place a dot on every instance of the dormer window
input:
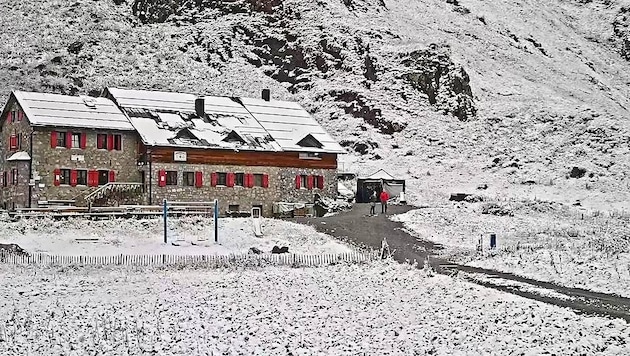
(309, 141)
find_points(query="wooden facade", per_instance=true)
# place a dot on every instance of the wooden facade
(240, 158)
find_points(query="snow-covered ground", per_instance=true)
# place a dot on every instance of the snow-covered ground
(145, 237)
(540, 240)
(376, 309)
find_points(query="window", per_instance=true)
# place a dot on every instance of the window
(222, 179)
(64, 176)
(61, 139)
(82, 177)
(117, 142)
(14, 176)
(233, 207)
(171, 177)
(303, 181)
(239, 179)
(258, 180)
(189, 179)
(4, 179)
(76, 140)
(101, 141)
(103, 177)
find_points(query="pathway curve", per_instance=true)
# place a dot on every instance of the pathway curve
(358, 228)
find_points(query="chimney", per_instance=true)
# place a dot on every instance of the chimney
(200, 107)
(266, 94)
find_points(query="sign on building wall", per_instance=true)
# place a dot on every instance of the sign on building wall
(179, 156)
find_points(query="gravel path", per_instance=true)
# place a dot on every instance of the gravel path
(357, 227)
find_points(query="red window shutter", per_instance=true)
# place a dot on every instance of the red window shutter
(110, 142)
(20, 115)
(12, 142)
(309, 182)
(162, 178)
(265, 181)
(73, 178)
(198, 179)
(250, 180)
(94, 175)
(230, 179)
(53, 139)
(68, 139)
(297, 182)
(83, 140)
(214, 179)
(112, 176)
(56, 176)
(320, 182)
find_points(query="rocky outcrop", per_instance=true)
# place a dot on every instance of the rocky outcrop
(446, 84)
(158, 11)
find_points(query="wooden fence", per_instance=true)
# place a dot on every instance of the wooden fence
(207, 261)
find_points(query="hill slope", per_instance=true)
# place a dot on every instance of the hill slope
(471, 91)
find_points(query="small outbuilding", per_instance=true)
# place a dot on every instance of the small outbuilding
(377, 182)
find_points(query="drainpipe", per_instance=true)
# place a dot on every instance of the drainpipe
(30, 169)
(150, 178)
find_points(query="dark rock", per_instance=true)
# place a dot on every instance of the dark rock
(277, 250)
(13, 249)
(482, 186)
(75, 47)
(577, 172)
(496, 209)
(255, 251)
(357, 106)
(458, 196)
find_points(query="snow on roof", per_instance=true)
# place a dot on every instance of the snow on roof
(19, 156)
(233, 123)
(380, 174)
(288, 123)
(43, 109)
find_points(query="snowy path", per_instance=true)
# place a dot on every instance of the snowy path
(356, 227)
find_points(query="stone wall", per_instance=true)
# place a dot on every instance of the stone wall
(281, 186)
(14, 195)
(46, 159)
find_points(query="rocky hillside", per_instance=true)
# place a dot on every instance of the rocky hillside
(514, 93)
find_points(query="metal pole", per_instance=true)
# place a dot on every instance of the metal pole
(165, 214)
(216, 220)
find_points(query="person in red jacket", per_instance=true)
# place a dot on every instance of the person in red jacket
(384, 198)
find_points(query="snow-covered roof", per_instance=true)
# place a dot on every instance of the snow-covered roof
(288, 123)
(43, 109)
(170, 119)
(380, 174)
(19, 156)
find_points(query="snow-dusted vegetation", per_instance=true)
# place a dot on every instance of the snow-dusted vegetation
(80, 237)
(381, 308)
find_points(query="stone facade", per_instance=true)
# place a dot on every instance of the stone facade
(281, 186)
(14, 193)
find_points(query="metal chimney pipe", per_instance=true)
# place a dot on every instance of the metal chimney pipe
(266, 94)
(200, 109)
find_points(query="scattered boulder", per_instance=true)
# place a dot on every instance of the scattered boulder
(458, 196)
(278, 250)
(255, 251)
(482, 186)
(496, 209)
(577, 172)
(75, 47)
(13, 249)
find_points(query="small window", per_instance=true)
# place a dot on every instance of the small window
(82, 177)
(103, 177)
(233, 207)
(189, 179)
(14, 176)
(118, 142)
(258, 180)
(4, 179)
(303, 181)
(239, 179)
(76, 140)
(101, 141)
(171, 177)
(64, 177)
(19, 141)
(222, 179)
(61, 139)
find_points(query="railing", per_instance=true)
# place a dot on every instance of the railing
(208, 261)
(111, 186)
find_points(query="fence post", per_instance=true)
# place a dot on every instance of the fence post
(216, 220)
(165, 215)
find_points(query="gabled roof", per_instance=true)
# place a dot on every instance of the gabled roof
(380, 174)
(287, 122)
(56, 110)
(260, 125)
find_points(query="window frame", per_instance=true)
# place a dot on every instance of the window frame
(258, 178)
(76, 135)
(14, 176)
(103, 173)
(242, 179)
(189, 179)
(171, 177)
(303, 181)
(222, 179)
(61, 139)
(117, 142)
(230, 206)
(63, 180)
(79, 176)
(98, 137)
